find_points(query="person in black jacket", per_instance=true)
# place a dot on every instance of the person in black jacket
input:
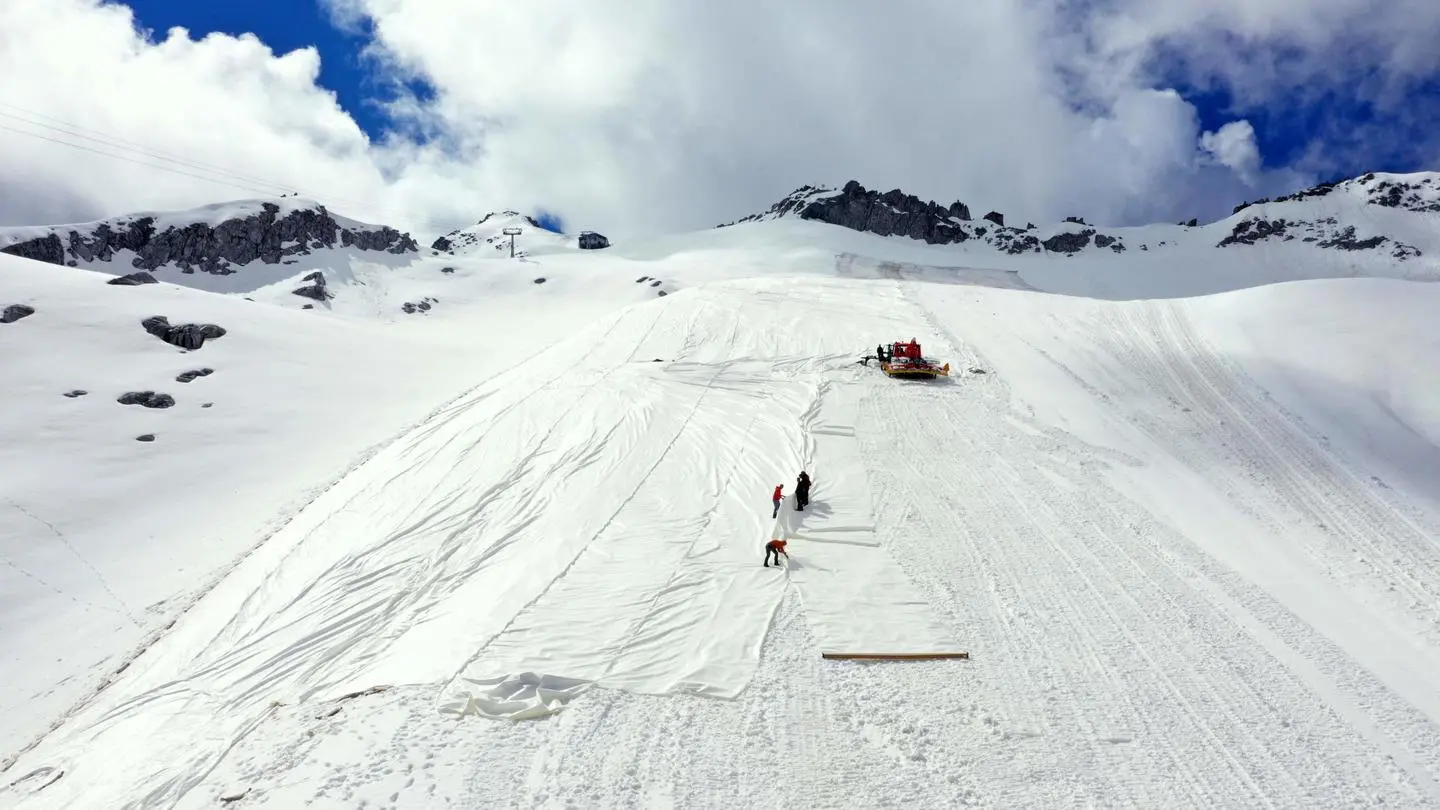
(802, 491)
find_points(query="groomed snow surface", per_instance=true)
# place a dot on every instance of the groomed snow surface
(1190, 544)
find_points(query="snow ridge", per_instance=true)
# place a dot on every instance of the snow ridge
(215, 240)
(1331, 216)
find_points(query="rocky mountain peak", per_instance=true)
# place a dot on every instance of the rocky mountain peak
(895, 213)
(204, 241)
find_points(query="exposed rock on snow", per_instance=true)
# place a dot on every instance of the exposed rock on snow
(590, 240)
(1345, 240)
(149, 399)
(15, 312)
(1420, 196)
(76, 393)
(422, 306)
(145, 437)
(540, 280)
(1324, 233)
(1068, 242)
(890, 213)
(133, 279)
(792, 203)
(895, 213)
(1418, 193)
(316, 289)
(48, 249)
(264, 236)
(489, 231)
(189, 376)
(188, 336)
(1250, 231)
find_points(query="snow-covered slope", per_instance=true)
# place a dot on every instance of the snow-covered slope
(106, 537)
(1189, 543)
(1378, 224)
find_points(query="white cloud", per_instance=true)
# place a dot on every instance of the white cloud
(1233, 146)
(665, 114)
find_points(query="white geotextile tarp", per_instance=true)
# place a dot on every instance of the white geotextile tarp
(667, 594)
(856, 597)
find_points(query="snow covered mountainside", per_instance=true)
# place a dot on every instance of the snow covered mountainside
(487, 238)
(1373, 214)
(207, 248)
(1179, 505)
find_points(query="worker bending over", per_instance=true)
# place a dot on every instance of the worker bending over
(775, 547)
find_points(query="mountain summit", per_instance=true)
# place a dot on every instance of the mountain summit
(216, 240)
(1340, 216)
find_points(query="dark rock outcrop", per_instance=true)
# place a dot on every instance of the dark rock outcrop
(48, 249)
(264, 236)
(145, 437)
(76, 393)
(1345, 240)
(1250, 231)
(187, 336)
(1068, 242)
(189, 376)
(540, 280)
(15, 312)
(1324, 233)
(133, 279)
(1408, 196)
(316, 289)
(148, 399)
(894, 213)
(422, 306)
(589, 240)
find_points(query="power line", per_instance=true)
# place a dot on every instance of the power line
(113, 141)
(77, 131)
(131, 160)
(386, 212)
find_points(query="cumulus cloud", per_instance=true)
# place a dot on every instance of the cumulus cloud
(1234, 147)
(653, 115)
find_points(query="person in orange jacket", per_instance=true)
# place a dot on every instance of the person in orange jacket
(776, 498)
(775, 547)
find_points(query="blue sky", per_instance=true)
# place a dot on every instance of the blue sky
(284, 25)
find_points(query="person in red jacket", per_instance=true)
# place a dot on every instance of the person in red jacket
(776, 498)
(775, 547)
